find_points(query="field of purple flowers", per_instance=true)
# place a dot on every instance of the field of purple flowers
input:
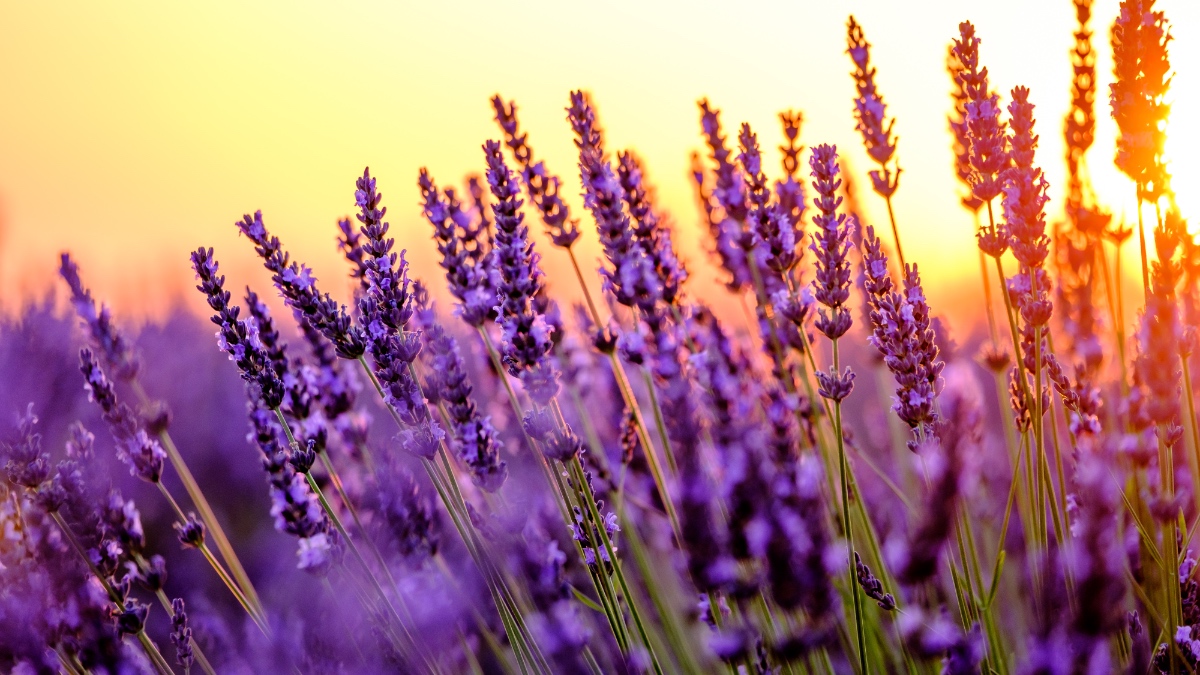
(826, 483)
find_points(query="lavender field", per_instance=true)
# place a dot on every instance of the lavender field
(807, 474)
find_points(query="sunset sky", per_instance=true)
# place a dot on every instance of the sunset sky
(131, 133)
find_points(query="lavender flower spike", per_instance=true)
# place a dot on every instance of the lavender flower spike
(478, 441)
(181, 635)
(252, 361)
(543, 187)
(988, 151)
(526, 336)
(872, 586)
(118, 354)
(631, 279)
(141, 453)
(1025, 187)
(386, 310)
(1142, 73)
(650, 229)
(870, 113)
(298, 287)
(831, 243)
(766, 222)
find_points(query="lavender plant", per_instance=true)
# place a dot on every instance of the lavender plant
(651, 487)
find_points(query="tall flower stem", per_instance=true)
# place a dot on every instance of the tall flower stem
(1141, 235)
(528, 655)
(845, 481)
(1189, 420)
(362, 561)
(895, 233)
(259, 617)
(631, 402)
(604, 590)
(577, 472)
(204, 509)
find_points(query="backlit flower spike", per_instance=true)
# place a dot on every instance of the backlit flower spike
(386, 310)
(447, 384)
(106, 338)
(466, 257)
(650, 228)
(1142, 73)
(988, 149)
(831, 243)
(958, 129)
(631, 278)
(233, 335)
(542, 186)
(870, 113)
(789, 190)
(298, 287)
(141, 453)
(1025, 187)
(729, 190)
(766, 221)
(526, 336)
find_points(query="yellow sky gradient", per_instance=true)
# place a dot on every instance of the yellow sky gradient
(132, 132)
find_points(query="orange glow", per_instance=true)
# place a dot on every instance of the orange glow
(131, 134)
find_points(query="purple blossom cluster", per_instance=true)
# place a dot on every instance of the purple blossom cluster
(651, 487)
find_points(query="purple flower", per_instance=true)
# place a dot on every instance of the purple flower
(903, 334)
(650, 230)
(767, 222)
(631, 278)
(294, 507)
(831, 243)
(142, 454)
(181, 634)
(872, 586)
(104, 335)
(233, 335)
(988, 151)
(729, 194)
(191, 532)
(1025, 187)
(466, 257)
(405, 515)
(526, 336)
(26, 463)
(477, 440)
(738, 440)
(298, 288)
(542, 186)
(870, 113)
(831, 286)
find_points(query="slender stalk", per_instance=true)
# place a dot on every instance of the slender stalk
(895, 233)
(258, 616)
(203, 508)
(844, 470)
(528, 657)
(350, 543)
(1142, 245)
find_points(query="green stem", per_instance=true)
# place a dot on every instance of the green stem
(205, 510)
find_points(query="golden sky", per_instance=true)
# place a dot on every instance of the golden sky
(132, 132)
